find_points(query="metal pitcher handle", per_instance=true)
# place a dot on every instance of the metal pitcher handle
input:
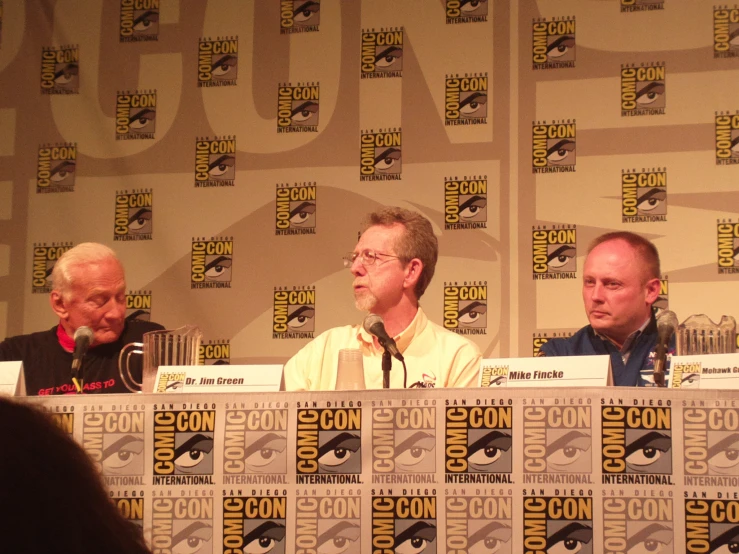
(126, 378)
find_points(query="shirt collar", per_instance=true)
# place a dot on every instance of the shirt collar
(64, 339)
(404, 339)
(630, 340)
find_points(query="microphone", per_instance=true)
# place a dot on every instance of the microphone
(82, 339)
(375, 326)
(666, 326)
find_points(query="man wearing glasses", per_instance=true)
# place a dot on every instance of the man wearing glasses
(392, 264)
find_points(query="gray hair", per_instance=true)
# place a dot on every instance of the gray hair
(83, 254)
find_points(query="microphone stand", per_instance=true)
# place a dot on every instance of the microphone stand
(387, 364)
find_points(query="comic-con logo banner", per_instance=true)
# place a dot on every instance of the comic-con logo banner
(299, 16)
(254, 523)
(218, 61)
(381, 53)
(637, 524)
(115, 442)
(295, 208)
(380, 155)
(60, 70)
(215, 352)
(131, 509)
(139, 20)
(711, 525)
(44, 257)
(134, 211)
(138, 305)
(404, 523)
(135, 115)
(643, 89)
(183, 447)
(215, 161)
(466, 11)
(641, 5)
(327, 523)
(465, 307)
(725, 32)
(553, 43)
(479, 523)
(466, 99)
(494, 375)
(711, 446)
(727, 232)
(558, 524)
(297, 107)
(255, 446)
(465, 202)
(553, 148)
(210, 263)
(727, 138)
(182, 524)
(554, 251)
(56, 168)
(294, 312)
(404, 443)
(643, 195)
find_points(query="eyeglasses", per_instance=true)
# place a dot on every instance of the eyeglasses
(366, 258)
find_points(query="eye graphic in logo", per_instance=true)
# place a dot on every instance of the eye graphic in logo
(218, 268)
(561, 49)
(146, 22)
(648, 452)
(306, 13)
(387, 160)
(193, 538)
(266, 453)
(416, 538)
(139, 221)
(653, 538)
(139, 315)
(490, 451)
(474, 105)
(472, 314)
(690, 381)
(723, 457)
(142, 121)
(49, 269)
(735, 144)
(651, 95)
(498, 381)
(337, 537)
(473, 208)
(388, 58)
(560, 152)
(304, 113)
(414, 451)
(222, 168)
(63, 173)
(473, 7)
(194, 455)
(303, 215)
(561, 257)
(568, 451)
(224, 67)
(727, 541)
(122, 454)
(302, 319)
(66, 76)
(339, 452)
(264, 538)
(571, 538)
(489, 537)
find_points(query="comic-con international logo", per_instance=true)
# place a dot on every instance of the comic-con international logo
(183, 447)
(553, 43)
(329, 446)
(299, 16)
(466, 11)
(382, 53)
(465, 202)
(558, 524)
(132, 509)
(638, 524)
(215, 352)
(133, 215)
(637, 444)
(182, 524)
(641, 5)
(135, 115)
(218, 62)
(139, 20)
(115, 442)
(255, 446)
(215, 161)
(60, 70)
(294, 312)
(711, 446)
(725, 32)
(465, 307)
(44, 257)
(554, 251)
(466, 99)
(727, 138)
(327, 524)
(404, 523)
(727, 233)
(479, 523)
(711, 525)
(210, 263)
(553, 147)
(643, 89)
(404, 444)
(255, 523)
(295, 209)
(297, 108)
(138, 305)
(381, 155)
(56, 168)
(478, 444)
(643, 195)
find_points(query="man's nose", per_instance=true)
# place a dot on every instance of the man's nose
(358, 268)
(596, 293)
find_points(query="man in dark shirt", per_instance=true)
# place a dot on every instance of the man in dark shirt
(88, 289)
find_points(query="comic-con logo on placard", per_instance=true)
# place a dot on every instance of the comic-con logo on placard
(139, 20)
(294, 312)
(539, 339)
(466, 11)
(727, 138)
(210, 263)
(494, 375)
(255, 523)
(637, 444)
(479, 522)
(554, 251)
(183, 523)
(183, 446)
(132, 509)
(329, 446)
(641, 5)
(711, 445)
(725, 32)
(643, 195)
(711, 525)
(558, 523)
(686, 375)
(295, 208)
(255, 450)
(643, 89)
(638, 524)
(381, 155)
(138, 305)
(465, 202)
(60, 70)
(382, 53)
(328, 524)
(403, 442)
(215, 161)
(465, 307)
(45, 256)
(115, 442)
(553, 43)
(299, 16)
(297, 107)
(218, 61)
(727, 232)
(404, 523)
(135, 115)
(134, 210)
(478, 444)
(553, 146)
(56, 168)
(215, 352)
(466, 99)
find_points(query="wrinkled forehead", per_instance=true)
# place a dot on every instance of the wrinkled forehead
(99, 274)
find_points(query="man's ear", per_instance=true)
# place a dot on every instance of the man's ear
(412, 273)
(653, 289)
(58, 304)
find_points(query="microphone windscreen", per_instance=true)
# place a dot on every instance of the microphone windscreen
(83, 331)
(370, 321)
(667, 320)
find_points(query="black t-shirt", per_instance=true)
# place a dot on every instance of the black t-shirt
(47, 366)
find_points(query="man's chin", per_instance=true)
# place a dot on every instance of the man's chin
(365, 303)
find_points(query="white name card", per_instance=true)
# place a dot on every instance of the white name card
(12, 381)
(218, 378)
(704, 371)
(550, 371)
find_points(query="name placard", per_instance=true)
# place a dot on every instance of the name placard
(704, 371)
(559, 371)
(218, 378)
(12, 381)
